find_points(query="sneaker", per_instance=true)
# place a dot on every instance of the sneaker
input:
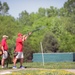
(3, 67)
(14, 67)
(22, 67)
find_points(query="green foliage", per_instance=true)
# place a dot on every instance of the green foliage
(9, 26)
(70, 7)
(59, 28)
(41, 12)
(28, 52)
(4, 8)
(70, 25)
(52, 11)
(24, 18)
(50, 43)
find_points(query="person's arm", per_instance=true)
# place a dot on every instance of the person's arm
(26, 36)
(2, 44)
(2, 49)
(23, 39)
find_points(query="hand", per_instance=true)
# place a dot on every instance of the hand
(3, 52)
(24, 36)
(29, 33)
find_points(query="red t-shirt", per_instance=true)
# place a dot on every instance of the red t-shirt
(19, 45)
(4, 44)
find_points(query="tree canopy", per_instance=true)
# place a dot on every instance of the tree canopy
(57, 36)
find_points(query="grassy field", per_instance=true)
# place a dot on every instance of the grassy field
(52, 68)
(42, 72)
(55, 65)
(51, 65)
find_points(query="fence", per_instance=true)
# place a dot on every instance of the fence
(54, 57)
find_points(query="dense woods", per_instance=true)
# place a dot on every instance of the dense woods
(57, 36)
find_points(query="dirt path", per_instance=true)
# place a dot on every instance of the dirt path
(70, 70)
(8, 71)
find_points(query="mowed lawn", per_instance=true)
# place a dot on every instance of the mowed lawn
(42, 72)
(49, 65)
(52, 68)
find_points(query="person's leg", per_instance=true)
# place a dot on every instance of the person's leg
(2, 62)
(22, 57)
(4, 57)
(15, 60)
(21, 61)
(14, 63)
(21, 64)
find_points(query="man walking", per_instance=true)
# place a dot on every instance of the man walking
(4, 47)
(19, 49)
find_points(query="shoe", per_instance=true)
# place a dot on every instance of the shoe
(3, 67)
(22, 67)
(14, 67)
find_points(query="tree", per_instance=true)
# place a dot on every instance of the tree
(63, 12)
(41, 12)
(52, 11)
(70, 7)
(0, 7)
(24, 18)
(4, 8)
(50, 43)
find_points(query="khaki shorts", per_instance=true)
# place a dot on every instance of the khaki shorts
(20, 55)
(5, 55)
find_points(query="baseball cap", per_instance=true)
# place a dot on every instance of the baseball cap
(19, 34)
(5, 36)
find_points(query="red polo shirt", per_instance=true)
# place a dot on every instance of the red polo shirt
(19, 45)
(4, 44)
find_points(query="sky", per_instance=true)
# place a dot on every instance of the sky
(17, 6)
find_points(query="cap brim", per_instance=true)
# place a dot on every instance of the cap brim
(5, 36)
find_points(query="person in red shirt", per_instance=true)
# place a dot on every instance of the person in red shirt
(19, 49)
(4, 47)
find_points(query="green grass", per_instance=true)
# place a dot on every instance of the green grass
(42, 72)
(52, 68)
(55, 65)
(51, 65)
